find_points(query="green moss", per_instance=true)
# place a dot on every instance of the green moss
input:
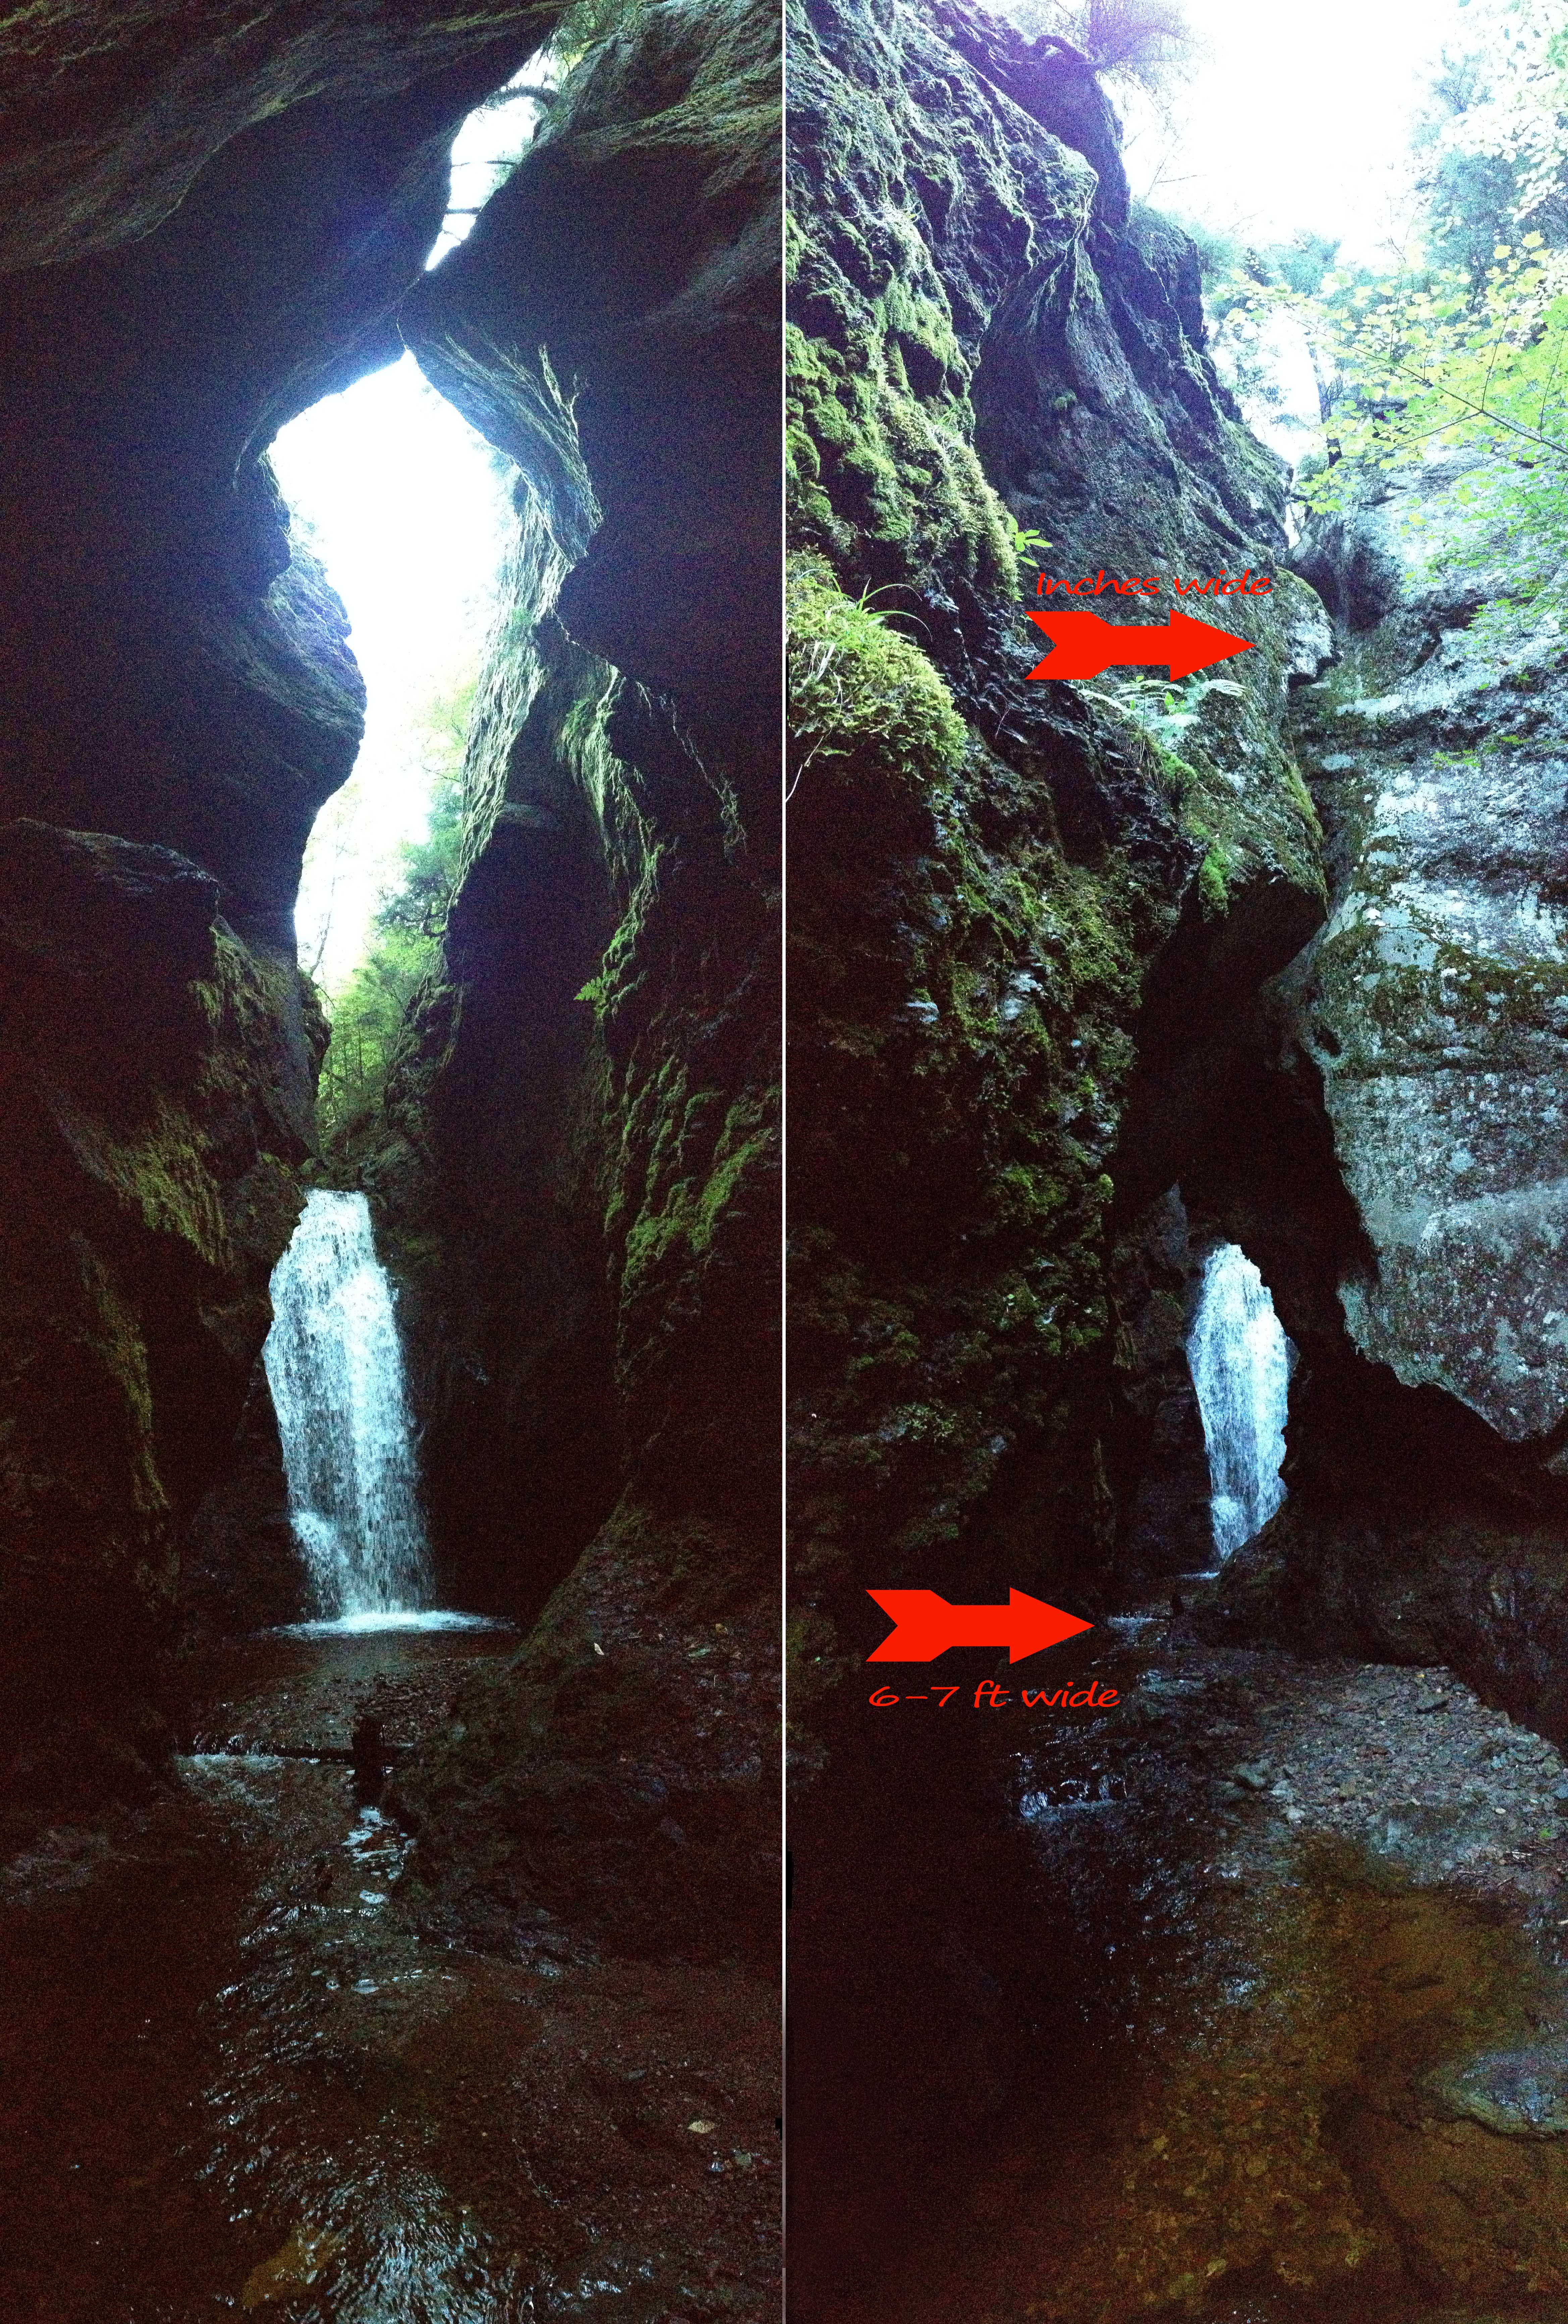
(859, 692)
(1214, 876)
(881, 470)
(123, 1351)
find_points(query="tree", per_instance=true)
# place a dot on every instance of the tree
(1463, 347)
(1506, 102)
(1145, 42)
(404, 945)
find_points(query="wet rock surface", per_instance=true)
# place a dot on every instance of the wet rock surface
(1023, 930)
(245, 2081)
(1434, 1002)
(578, 1166)
(209, 222)
(1265, 2021)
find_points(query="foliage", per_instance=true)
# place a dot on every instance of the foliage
(1163, 712)
(1505, 105)
(1146, 43)
(1416, 363)
(404, 946)
(1461, 350)
(589, 23)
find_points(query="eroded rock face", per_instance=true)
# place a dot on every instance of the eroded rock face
(1434, 1003)
(156, 1101)
(211, 217)
(111, 114)
(1413, 1230)
(1017, 915)
(580, 1169)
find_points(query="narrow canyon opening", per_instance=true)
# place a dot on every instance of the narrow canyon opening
(1240, 1362)
(382, 658)
(1177, 1125)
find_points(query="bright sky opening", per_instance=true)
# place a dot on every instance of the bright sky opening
(1288, 117)
(1295, 118)
(409, 509)
(1288, 120)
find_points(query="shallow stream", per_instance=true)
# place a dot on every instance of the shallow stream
(1259, 2017)
(241, 2081)
(247, 2069)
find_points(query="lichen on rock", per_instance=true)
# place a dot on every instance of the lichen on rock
(1434, 1003)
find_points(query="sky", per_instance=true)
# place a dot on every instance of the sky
(407, 513)
(408, 509)
(1292, 117)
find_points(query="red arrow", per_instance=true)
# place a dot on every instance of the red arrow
(928, 1625)
(1085, 645)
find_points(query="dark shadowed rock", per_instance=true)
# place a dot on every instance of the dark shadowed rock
(156, 1101)
(209, 222)
(1017, 914)
(111, 114)
(578, 1167)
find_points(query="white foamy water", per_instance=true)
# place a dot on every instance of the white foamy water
(1240, 1364)
(336, 1370)
(356, 1625)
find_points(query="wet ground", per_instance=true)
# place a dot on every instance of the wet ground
(236, 2078)
(1303, 1925)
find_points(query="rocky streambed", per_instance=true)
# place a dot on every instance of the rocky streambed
(1286, 2033)
(249, 2080)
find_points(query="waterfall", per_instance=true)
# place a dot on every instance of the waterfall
(336, 1372)
(1241, 1363)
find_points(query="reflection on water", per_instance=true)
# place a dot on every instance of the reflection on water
(241, 2075)
(1286, 2080)
(1284, 2131)
(360, 1626)
(205, 2047)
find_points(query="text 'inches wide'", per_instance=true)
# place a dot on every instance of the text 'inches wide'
(926, 1626)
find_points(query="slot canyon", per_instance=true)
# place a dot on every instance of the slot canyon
(388, 1931)
(1247, 1998)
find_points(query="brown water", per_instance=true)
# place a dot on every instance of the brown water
(1277, 2150)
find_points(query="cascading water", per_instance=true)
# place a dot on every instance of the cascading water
(336, 1372)
(1241, 1363)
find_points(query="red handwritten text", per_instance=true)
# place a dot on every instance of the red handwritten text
(989, 1696)
(1218, 585)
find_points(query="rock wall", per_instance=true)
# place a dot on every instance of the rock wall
(1023, 923)
(1428, 1518)
(579, 1171)
(211, 216)
(1026, 929)
(1435, 1004)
